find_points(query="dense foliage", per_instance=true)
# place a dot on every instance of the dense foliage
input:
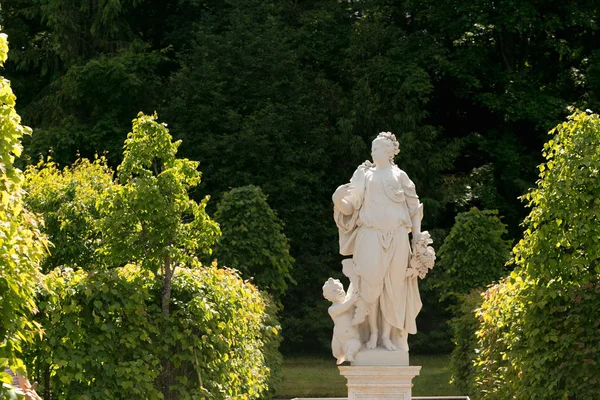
(252, 240)
(149, 217)
(539, 331)
(66, 199)
(287, 95)
(22, 245)
(464, 325)
(106, 336)
(562, 227)
(131, 301)
(473, 254)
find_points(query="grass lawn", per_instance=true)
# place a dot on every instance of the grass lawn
(319, 377)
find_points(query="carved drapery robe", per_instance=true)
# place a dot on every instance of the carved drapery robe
(376, 235)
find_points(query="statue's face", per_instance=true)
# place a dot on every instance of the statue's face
(335, 292)
(379, 152)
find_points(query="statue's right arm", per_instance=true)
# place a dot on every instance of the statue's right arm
(348, 304)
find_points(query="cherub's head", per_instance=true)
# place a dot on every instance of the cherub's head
(333, 290)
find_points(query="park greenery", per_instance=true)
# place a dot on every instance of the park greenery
(127, 296)
(106, 336)
(473, 254)
(252, 240)
(113, 234)
(286, 96)
(22, 245)
(66, 198)
(537, 329)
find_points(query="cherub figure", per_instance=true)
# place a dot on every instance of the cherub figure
(346, 339)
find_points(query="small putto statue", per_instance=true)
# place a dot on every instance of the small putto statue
(346, 341)
(375, 213)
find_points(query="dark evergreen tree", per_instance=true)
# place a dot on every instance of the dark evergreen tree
(288, 95)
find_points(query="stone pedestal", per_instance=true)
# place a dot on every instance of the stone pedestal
(369, 382)
(381, 356)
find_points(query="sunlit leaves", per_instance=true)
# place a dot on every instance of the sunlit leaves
(149, 217)
(106, 337)
(66, 199)
(538, 336)
(564, 223)
(22, 245)
(163, 319)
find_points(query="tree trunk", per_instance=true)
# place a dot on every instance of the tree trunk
(166, 295)
(168, 378)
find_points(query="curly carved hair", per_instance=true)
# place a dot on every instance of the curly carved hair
(392, 145)
(329, 286)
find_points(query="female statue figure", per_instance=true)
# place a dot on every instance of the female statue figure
(375, 213)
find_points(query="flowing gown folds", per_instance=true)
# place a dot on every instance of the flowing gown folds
(376, 235)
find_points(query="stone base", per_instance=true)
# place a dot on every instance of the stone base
(381, 356)
(414, 398)
(379, 382)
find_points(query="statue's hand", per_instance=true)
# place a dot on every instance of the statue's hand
(411, 273)
(342, 192)
(366, 165)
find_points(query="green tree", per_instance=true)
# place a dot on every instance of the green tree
(66, 199)
(464, 326)
(140, 306)
(22, 245)
(106, 338)
(538, 328)
(253, 241)
(473, 255)
(69, 52)
(509, 72)
(149, 218)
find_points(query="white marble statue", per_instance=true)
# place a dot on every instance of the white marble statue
(346, 340)
(375, 213)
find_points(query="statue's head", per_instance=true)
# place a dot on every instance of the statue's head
(333, 290)
(384, 148)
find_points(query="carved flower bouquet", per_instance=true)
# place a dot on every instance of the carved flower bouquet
(423, 256)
